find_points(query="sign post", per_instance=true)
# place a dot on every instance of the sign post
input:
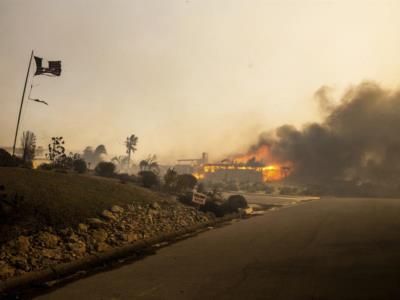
(199, 198)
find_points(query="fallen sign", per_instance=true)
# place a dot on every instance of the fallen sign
(199, 198)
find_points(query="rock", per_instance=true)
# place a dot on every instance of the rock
(20, 262)
(108, 215)
(99, 235)
(49, 240)
(96, 223)
(101, 247)
(153, 212)
(35, 264)
(66, 232)
(155, 205)
(150, 218)
(120, 227)
(6, 270)
(22, 244)
(131, 237)
(51, 253)
(78, 248)
(83, 227)
(73, 238)
(117, 209)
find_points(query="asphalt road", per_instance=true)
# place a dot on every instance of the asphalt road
(326, 249)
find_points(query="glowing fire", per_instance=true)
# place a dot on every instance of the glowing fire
(262, 155)
(259, 160)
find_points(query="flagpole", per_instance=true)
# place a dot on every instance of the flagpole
(22, 103)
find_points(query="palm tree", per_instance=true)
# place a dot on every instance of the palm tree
(150, 164)
(130, 144)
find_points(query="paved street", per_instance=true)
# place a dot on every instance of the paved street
(326, 249)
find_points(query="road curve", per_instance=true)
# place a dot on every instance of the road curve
(334, 248)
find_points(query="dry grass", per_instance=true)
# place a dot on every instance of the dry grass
(58, 199)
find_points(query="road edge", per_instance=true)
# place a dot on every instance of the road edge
(94, 260)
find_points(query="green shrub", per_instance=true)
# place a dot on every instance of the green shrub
(79, 166)
(149, 179)
(185, 182)
(7, 160)
(105, 169)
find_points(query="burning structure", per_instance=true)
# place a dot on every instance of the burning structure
(353, 151)
(256, 166)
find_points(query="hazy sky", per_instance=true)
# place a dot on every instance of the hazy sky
(187, 76)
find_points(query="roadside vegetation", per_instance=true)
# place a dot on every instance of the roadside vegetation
(61, 200)
(73, 187)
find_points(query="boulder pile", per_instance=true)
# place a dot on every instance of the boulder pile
(115, 227)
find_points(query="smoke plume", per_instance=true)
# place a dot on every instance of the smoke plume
(357, 143)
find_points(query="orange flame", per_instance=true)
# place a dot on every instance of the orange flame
(259, 160)
(262, 155)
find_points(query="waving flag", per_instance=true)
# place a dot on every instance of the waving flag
(53, 68)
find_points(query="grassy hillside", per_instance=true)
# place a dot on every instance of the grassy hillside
(59, 199)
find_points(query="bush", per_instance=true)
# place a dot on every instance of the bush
(7, 160)
(105, 169)
(185, 182)
(213, 207)
(9, 205)
(79, 166)
(149, 179)
(170, 178)
(234, 203)
(125, 177)
(186, 198)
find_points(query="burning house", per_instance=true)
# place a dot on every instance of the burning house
(241, 172)
(256, 166)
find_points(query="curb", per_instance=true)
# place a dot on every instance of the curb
(65, 269)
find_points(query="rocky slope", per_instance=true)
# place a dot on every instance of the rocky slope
(115, 227)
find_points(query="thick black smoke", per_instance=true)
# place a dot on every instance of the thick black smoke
(357, 144)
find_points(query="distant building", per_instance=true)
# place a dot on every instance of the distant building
(190, 165)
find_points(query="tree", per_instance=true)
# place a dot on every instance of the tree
(150, 164)
(170, 179)
(56, 150)
(130, 143)
(105, 169)
(28, 144)
(79, 165)
(88, 155)
(185, 182)
(99, 153)
(100, 150)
